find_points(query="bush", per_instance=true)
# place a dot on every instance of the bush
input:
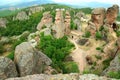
(56, 49)
(1, 49)
(70, 67)
(118, 33)
(106, 62)
(98, 35)
(87, 34)
(114, 74)
(11, 55)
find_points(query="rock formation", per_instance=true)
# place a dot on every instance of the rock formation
(46, 21)
(67, 22)
(7, 68)
(115, 63)
(21, 16)
(3, 22)
(97, 20)
(35, 9)
(72, 76)
(59, 26)
(112, 14)
(110, 25)
(29, 61)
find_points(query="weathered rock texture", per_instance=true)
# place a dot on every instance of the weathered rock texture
(115, 63)
(59, 26)
(3, 22)
(112, 14)
(46, 21)
(67, 22)
(97, 20)
(72, 76)
(114, 66)
(7, 68)
(21, 16)
(29, 61)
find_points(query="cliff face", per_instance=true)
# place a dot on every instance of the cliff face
(72, 76)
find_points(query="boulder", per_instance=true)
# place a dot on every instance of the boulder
(7, 68)
(46, 21)
(30, 61)
(3, 22)
(21, 16)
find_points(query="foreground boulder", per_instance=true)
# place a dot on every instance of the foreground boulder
(7, 68)
(72, 76)
(30, 61)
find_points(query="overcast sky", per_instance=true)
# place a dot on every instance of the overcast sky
(3, 2)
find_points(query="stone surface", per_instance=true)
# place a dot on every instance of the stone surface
(97, 20)
(3, 22)
(46, 21)
(21, 16)
(59, 26)
(112, 14)
(29, 61)
(7, 68)
(67, 22)
(114, 66)
(72, 76)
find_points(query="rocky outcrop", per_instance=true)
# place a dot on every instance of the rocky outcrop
(59, 26)
(7, 68)
(35, 9)
(21, 16)
(112, 14)
(97, 20)
(29, 61)
(3, 22)
(114, 66)
(67, 22)
(72, 76)
(46, 21)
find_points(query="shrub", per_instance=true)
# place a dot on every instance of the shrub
(69, 67)
(11, 55)
(106, 62)
(1, 49)
(98, 35)
(114, 74)
(87, 34)
(56, 49)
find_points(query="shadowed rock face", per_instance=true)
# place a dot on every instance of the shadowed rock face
(7, 68)
(29, 61)
(112, 14)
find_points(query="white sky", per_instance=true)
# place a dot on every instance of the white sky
(81, 1)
